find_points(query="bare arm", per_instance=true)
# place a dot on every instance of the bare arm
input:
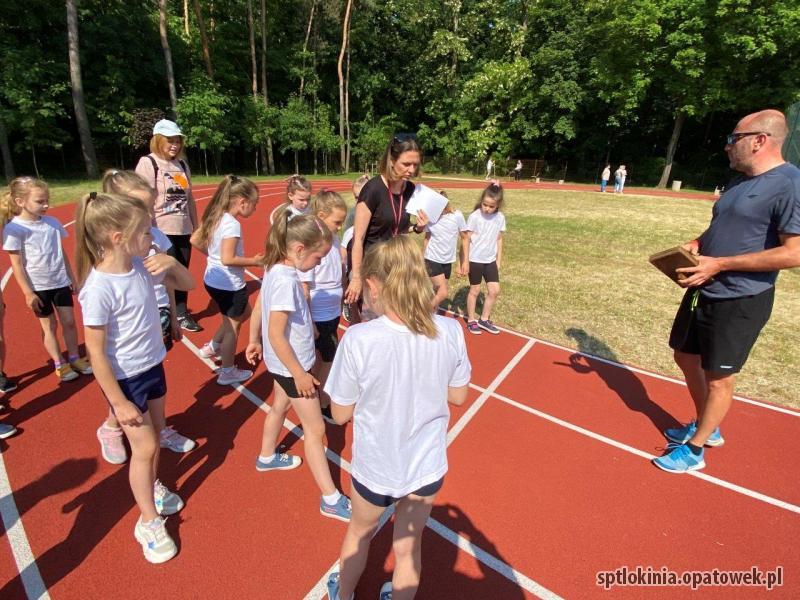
(254, 350)
(360, 224)
(176, 275)
(227, 255)
(125, 411)
(785, 256)
(457, 395)
(342, 413)
(465, 242)
(31, 300)
(463, 267)
(70, 274)
(499, 249)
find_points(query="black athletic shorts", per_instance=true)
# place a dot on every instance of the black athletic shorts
(384, 501)
(722, 332)
(231, 303)
(486, 271)
(328, 338)
(58, 297)
(435, 268)
(287, 384)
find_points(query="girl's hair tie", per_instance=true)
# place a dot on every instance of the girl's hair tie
(92, 195)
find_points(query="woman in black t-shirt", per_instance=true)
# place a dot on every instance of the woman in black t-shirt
(381, 208)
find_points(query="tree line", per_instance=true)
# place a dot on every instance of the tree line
(320, 85)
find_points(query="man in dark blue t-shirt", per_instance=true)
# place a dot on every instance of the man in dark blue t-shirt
(754, 233)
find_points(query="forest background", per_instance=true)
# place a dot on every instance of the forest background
(320, 85)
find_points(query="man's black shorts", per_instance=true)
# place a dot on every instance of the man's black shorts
(722, 332)
(435, 268)
(58, 297)
(488, 272)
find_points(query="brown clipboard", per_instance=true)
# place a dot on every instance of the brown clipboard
(674, 258)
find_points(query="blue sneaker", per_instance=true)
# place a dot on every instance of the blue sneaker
(280, 462)
(7, 430)
(681, 435)
(386, 591)
(679, 459)
(341, 510)
(333, 586)
(487, 325)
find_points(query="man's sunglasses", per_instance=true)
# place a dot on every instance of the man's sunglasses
(735, 137)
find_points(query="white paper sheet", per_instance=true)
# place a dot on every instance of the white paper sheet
(429, 201)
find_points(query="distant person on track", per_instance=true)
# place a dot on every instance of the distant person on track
(489, 169)
(619, 179)
(298, 195)
(358, 185)
(754, 233)
(220, 238)
(109, 434)
(441, 241)
(33, 241)
(323, 288)
(381, 209)
(400, 412)
(483, 253)
(123, 337)
(281, 330)
(166, 170)
(604, 177)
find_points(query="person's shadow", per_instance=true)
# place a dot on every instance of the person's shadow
(458, 303)
(440, 555)
(619, 379)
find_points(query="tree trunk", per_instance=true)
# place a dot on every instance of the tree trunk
(186, 18)
(296, 163)
(264, 91)
(347, 102)
(162, 30)
(205, 160)
(8, 162)
(454, 59)
(87, 146)
(340, 73)
(35, 166)
(253, 64)
(201, 26)
(305, 46)
(680, 118)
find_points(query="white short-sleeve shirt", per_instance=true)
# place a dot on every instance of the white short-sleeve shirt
(281, 291)
(217, 275)
(125, 304)
(347, 236)
(39, 245)
(325, 285)
(444, 237)
(484, 230)
(401, 413)
(162, 244)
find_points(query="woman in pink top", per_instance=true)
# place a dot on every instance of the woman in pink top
(166, 170)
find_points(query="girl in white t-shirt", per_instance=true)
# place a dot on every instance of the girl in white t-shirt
(220, 237)
(483, 250)
(323, 288)
(33, 242)
(123, 338)
(399, 410)
(282, 331)
(441, 239)
(298, 195)
(109, 434)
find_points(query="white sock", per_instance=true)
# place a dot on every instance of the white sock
(266, 459)
(213, 345)
(332, 499)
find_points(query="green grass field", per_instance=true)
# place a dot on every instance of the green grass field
(575, 272)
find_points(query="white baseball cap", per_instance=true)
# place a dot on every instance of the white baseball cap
(167, 128)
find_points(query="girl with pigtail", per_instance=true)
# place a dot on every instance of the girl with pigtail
(123, 338)
(220, 238)
(109, 434)
(298, 195)
(281, 329)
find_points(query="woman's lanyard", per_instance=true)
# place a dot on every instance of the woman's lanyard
(398, 213)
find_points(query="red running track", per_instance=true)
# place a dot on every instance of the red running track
(549, 482)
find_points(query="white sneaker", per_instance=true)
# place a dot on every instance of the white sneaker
(167, 502)
(207, 351)
(233, 376)
(172, 440)
(156, 543)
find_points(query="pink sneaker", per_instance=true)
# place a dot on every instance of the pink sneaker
(111, 446)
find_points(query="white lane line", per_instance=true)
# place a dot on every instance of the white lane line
(613, 363)
(486, 393)
(640, 453)
(12, 522)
